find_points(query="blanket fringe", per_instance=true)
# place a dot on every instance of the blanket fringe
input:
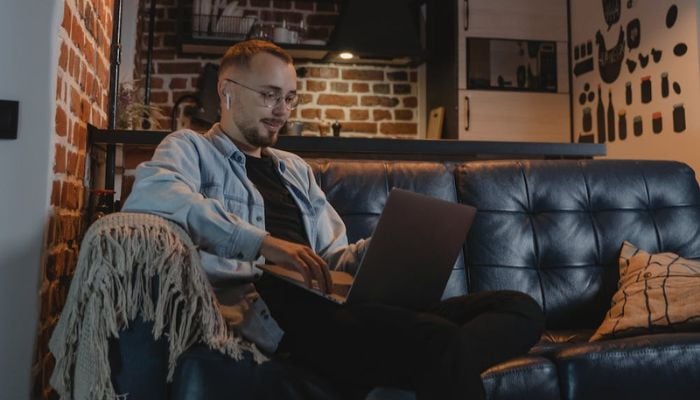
(122, 257)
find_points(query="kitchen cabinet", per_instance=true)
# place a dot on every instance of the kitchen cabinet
(513, 116)
(531, 19)
(497, 107)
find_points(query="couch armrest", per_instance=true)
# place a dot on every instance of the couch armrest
(663, 366)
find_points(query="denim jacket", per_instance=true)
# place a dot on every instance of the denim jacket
(200, 182)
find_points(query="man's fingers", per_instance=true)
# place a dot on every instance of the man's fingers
(303, 269)
(299, 257)
(327, 274)
(317, 270)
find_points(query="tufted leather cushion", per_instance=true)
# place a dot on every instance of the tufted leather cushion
(553, 229)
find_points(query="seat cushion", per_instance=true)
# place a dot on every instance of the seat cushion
(663, 366)
(529, 377)
(552, 341)
(204, 374)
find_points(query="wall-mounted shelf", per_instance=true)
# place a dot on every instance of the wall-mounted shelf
(385, 148)
(216, 38)
(218, 46)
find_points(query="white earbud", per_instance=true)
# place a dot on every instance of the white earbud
(228, 100)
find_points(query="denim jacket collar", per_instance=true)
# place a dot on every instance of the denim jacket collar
(228, 148)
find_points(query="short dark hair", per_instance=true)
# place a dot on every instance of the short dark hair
(241, 53)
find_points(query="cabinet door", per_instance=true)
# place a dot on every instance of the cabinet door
(523, 19)
(513, 116)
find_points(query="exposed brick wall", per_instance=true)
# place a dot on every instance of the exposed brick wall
(366, 100)
(84, 39)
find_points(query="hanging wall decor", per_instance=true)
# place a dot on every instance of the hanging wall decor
(676, 87)
(657, 122)
(678, 118)
(585, 54)
(634, 34)
(671, 16)
(650, 88)
(628, 93)
(664, 84)
(643, 60)
(638, 127)
(611, 118)
(680, 49)
(611, 9)
(600, 118)
(610, 60)
(622, 127)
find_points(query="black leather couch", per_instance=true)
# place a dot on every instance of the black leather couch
(552, 229)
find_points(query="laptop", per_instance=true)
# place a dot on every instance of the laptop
(409, 258)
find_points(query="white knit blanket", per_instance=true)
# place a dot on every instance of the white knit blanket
(120, 256)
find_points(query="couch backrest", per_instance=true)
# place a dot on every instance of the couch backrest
(549, 228)
(553, 229)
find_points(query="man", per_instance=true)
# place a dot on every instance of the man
(245, 203)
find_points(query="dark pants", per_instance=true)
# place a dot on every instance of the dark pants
(438, 352)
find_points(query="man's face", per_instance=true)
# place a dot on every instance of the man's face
(267, 76)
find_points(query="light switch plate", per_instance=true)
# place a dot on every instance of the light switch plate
(9, 115)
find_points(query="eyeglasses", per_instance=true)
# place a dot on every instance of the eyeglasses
(270, 98)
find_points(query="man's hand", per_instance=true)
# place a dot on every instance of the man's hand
(309, 264)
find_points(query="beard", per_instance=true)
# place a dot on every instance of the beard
(251, 132)
(252, 136)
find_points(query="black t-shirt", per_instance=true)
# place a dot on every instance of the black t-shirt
(282, 214)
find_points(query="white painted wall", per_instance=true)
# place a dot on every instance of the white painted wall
(587, 19)
(28, 67)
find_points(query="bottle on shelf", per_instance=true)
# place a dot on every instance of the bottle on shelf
(302, 31)
(336, 128)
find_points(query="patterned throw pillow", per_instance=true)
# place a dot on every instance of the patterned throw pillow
(656, 293)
